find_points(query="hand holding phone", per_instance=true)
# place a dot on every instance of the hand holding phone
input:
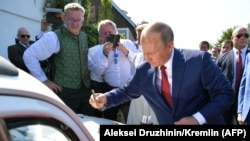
(113, 38)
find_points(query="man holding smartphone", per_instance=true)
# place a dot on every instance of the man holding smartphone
(110, 64)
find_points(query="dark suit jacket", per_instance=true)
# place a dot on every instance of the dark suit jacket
(225, 61)
(198, 85)
(15, 55)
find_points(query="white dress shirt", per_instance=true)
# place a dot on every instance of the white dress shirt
(41, 50)
(116, 75)
(40, 34)
(93, 63)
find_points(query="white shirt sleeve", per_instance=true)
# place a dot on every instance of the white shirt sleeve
(41, 50)
(131, 48)
(40, 34)
(97, 61)
(198, 116)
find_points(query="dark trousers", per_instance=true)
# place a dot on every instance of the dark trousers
(247, 121)
(77, 100)
(230, 115)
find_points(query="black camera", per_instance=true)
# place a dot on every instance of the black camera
(53, 15)
(113, 38)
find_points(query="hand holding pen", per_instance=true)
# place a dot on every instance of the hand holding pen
(97, 100)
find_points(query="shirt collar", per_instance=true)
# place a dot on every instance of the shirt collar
(169, 63)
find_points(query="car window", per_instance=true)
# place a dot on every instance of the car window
(39, 129)
(37, 132)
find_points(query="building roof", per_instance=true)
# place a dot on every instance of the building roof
(123, 13)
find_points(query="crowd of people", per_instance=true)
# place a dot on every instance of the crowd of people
(144, 80)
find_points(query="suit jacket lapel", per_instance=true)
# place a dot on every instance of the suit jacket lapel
(178, 68)
(158, 95)
(231, 63)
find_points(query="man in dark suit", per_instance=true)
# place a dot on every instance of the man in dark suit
(15, 52)
(196, 97)
(227, 63)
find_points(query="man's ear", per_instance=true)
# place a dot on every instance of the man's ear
(170, 44)
(63, 17)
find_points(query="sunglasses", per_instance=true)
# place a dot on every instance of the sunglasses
(23, 36)
(240, 35)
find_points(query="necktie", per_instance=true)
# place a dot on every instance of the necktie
(238, 70)
(165, 87)
(27, 45)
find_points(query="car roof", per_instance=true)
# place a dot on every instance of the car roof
(16, 82)
(9, 74)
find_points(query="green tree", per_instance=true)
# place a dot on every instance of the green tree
(86, 4)
(225, 36)
(105, 10)
(91, 30)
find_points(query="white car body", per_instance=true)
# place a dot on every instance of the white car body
(27, 107)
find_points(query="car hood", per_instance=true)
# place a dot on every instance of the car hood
(93, 124)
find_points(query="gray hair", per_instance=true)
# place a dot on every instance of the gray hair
(73, 6)
(106, 22)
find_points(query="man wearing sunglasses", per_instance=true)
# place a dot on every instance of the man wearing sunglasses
(232, 64)
(15, 52)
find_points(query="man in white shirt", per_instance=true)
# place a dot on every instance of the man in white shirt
(111, 64)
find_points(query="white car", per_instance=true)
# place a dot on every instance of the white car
(30, 111)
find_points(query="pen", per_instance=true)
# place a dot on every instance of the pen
(93, 93)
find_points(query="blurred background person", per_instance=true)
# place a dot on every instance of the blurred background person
(204, 46)
(232, 64)
(215, 52)
(44, 28)
(226, 46)
(16, 51)
(138, 30)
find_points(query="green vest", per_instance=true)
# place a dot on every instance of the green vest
(71, 62)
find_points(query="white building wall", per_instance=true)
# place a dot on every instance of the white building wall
(15, 14)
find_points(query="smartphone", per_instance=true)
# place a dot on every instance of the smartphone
(114, 38)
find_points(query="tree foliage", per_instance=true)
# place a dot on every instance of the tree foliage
(105, 10)
(226, 35)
